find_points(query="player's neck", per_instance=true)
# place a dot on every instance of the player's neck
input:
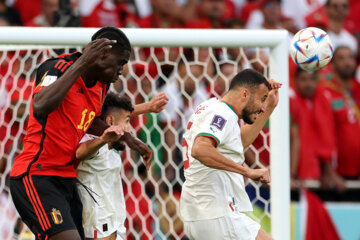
(89, 79)
(234, 102)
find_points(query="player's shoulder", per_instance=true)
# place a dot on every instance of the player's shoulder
(206, 106)
(60, 62)
(55, 67)
(215, 107)
(70, 57)
(223, 108)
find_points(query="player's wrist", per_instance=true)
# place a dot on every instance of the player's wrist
(149, 107)
(269, 108)
(81, 65)
(102, 140)
(246, 172)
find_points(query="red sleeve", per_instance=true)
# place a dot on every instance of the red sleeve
(49, 72)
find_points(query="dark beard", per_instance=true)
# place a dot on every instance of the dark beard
(118, 146)
(346, 74)
(246, 116)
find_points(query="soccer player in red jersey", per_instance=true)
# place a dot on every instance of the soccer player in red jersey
(68, 95)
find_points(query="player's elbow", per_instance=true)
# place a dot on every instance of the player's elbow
(80, 154)
(195, 151)
(39, 108)
(245, 141)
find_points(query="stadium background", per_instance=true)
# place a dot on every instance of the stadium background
(342, 202)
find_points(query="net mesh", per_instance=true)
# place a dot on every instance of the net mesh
(188, 76)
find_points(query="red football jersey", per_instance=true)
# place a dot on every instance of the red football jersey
(51, 142)
(345, 107)
(316, 132)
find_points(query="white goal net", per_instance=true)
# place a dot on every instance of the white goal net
(190, 66)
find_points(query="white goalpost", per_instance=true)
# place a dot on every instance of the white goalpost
(18, 40)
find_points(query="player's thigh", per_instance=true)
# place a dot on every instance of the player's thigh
(25, 207)
(68, 235)
(76, 209)
(110, 237)
(233, 226)
(262, 235)
(43, 203)
(243, 227)
(210, 229)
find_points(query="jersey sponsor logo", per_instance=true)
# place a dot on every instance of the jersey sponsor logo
(218, 122)
(49, 79)
(56, 216)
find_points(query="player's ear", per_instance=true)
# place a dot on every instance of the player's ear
(244, 94)
(109, 120)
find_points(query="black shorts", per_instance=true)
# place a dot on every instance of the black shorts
(48, 204)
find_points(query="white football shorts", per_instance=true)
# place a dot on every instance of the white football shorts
(236, 225)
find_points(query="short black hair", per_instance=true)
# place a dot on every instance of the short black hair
(112, 33)
(248, 78)
(114, 101)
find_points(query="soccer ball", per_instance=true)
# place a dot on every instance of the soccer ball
(311, 48)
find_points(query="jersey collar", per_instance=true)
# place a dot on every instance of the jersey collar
(231, 107)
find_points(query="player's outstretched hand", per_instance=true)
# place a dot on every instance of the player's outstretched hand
(262, 175)
(146, 154)
(112, 133)
(94, 51)
(273, 97)
(158, 102)
(274, 84)
(138, 146)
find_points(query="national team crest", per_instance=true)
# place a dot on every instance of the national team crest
(56, 216)
(218, 122)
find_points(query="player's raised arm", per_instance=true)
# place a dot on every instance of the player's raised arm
(249, 132)
(55, 90)
(155, 105)
(91, 147)
(99, 126)
(204, 150)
